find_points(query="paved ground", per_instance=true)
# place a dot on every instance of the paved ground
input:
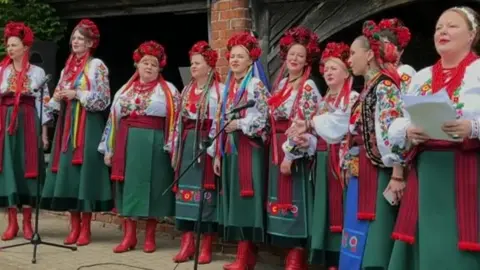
(105, 237)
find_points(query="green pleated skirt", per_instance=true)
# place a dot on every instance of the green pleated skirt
(85, 187)
(187, 198)
(148, 173)
(15, 189)
(242, 218)
(436, 241)
(324, 244)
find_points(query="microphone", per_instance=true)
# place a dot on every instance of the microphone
(46, 79)
(242, 107)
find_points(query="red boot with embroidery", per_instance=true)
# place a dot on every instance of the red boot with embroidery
(296, 260)
(187, 248)
(27, 223)
(129, 237)
(74, 229)
(150, 229)
(12, 228)
(85, 232)
(246, 257)
(206, 249)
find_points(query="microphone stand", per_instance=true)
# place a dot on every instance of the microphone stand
(202, 190)
(36, 239)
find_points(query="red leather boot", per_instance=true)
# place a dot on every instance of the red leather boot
(246, 257)
(12, 228)
(150, 229)
(296, 260)
(205, 256)
(27, 223)
(187, 248)
(85, 232)
(129, 237)
(74, 229)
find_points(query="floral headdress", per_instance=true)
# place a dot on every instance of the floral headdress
(303, 36)
(151, 48)
(386, 53)
(209, 54)
(246, 40)
(398, 29)
(25, 34)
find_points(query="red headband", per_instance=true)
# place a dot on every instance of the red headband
(303, 36)
(151, 48)
(335, 50)
(20, 30)
(92, 30)
(202, 48)
(246, 40)
(398, 29)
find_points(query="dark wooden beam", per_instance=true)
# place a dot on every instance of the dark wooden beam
(260, 18)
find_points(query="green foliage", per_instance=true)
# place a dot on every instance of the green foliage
(41, 17)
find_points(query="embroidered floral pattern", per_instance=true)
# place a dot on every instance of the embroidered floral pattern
(426, 89)
(193, 196)
(257, 125)
(98, 98)
(274, 210)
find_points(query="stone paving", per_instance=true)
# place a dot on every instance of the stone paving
(98, 255)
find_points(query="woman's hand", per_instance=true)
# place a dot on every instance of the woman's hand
(458, 129)
(69, 94)
(297, 128)
(57, 96)
(232, 126)
(286, 167)
(301, 141)
(396, 187)
(416, 135)
(108, 159)
(217, 166)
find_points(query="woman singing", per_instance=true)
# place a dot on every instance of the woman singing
(290, 193)
(240, 155)
(77, 181)
(193, 126)
(331, 126)
(437, 225)
(137, 131)
(19, 111)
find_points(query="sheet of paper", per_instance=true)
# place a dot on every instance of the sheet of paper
(430, 112)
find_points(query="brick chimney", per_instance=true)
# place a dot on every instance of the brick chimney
(227, 18)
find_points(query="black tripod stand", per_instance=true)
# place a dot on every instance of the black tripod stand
(36, 239)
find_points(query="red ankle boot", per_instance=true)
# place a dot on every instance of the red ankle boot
(206, 249)
(12, 228)
(85, 232)
(27, 223)
(74, 229)
(129, 237)
(296, 260)
(246, 257)
(150, 229)
(187, 248)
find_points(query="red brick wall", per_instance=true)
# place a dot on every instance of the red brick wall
(227, 17)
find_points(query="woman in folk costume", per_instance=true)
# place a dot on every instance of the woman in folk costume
(394, 31)
(193, 126)
(137, 131)
(437, 225)
(19, 108)
(239, 151)
(290, 193)
(77, 181)
(331, 125)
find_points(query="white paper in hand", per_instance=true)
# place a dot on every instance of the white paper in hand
(430, 112)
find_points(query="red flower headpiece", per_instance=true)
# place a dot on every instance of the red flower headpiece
(209, 54)
(246, 40)
(92, 29)
(20, 30)
(385, 52)
(335, 50)
(151, 48)
(398, 29)
(303, 36)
